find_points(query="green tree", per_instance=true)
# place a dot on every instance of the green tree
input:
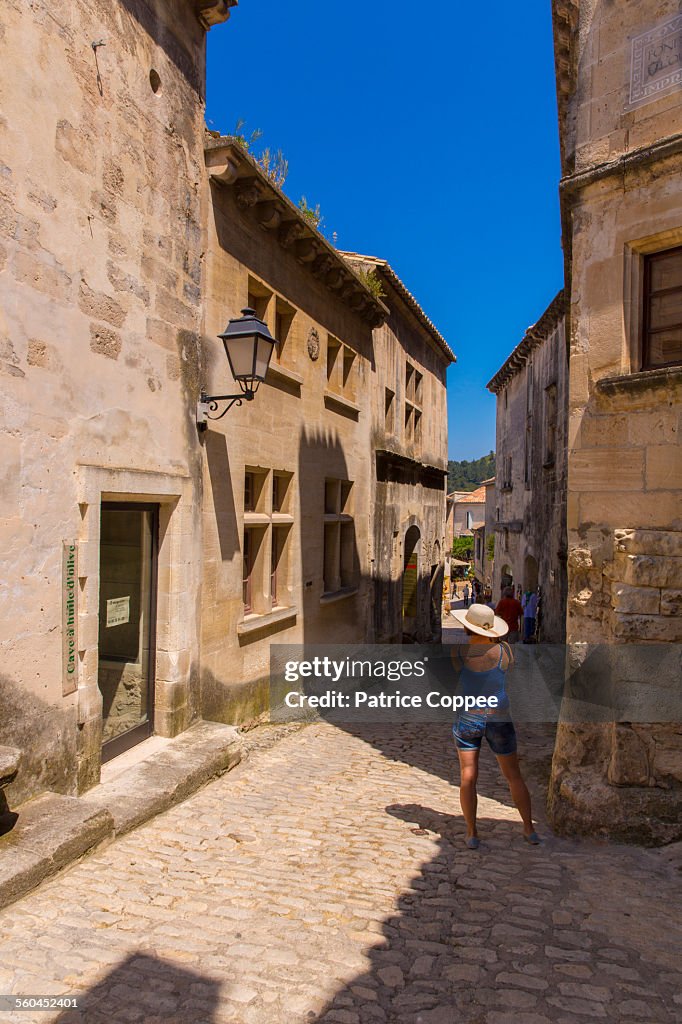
(467, 476)
(463, 548)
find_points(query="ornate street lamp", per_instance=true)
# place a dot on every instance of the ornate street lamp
(248, 347)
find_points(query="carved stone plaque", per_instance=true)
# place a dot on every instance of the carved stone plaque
(313, 344)
(656, 62)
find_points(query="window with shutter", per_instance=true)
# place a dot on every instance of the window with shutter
(662, 341)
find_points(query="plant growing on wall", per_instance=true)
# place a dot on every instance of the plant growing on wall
(371, 280)
(244, 140)
(311, 213)
(275, 165)
(490, 548)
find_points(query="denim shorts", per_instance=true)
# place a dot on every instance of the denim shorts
(470, 728)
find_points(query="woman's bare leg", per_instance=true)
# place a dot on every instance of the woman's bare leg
(509, 763)
(468, 771)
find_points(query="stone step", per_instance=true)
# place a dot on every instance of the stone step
(169, 776)
(9, 765)
(52, 831)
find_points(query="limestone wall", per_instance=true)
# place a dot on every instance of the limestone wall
(530, 499)
(301, 424)
(624, 465)
(408, 490)
(101, 247)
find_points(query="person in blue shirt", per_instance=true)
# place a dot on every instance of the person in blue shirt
(483, 664)
(530, 612)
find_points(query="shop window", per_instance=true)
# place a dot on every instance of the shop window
(662, 314)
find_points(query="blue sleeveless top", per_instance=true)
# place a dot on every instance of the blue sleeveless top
(489, 683)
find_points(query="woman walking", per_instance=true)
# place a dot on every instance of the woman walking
(483, 665)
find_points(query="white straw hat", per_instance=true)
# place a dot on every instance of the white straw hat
(482, 620)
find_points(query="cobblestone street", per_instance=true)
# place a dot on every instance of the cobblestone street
(325, 880)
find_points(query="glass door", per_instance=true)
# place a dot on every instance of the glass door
(127, 617)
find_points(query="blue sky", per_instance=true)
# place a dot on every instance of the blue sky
(427, 133)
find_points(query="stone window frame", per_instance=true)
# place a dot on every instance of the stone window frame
(551, 413)
(340, 570)
(389, 410)
(282, 319)
(634, 255)
(342, 364)
(507, 475)
(269, 529)
(178, 583)
(414, 385)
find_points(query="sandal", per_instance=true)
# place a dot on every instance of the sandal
(533, 838)
(472, 843)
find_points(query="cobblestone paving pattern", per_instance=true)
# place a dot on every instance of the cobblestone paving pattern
(298, 889)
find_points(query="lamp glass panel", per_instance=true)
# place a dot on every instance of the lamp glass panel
(263, 355)
(240, 356)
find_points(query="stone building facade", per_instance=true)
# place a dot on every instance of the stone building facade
(466, 511)
(530, 488)
(620, 113)
(127, 239)
(408, 439)
(451, 503)
(484, 539)
(101, 255)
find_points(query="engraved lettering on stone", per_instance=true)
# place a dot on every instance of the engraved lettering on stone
(656, 62)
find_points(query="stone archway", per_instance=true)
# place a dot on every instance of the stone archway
(530, 573)
(410, 576)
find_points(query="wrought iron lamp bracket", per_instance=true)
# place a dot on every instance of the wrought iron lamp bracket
(208, 404)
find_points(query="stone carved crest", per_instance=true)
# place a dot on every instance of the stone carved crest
(313, 344)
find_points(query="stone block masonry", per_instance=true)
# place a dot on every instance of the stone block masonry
(101, 186)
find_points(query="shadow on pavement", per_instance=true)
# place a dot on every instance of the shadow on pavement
(147, 990)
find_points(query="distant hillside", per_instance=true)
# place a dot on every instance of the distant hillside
(466, 476)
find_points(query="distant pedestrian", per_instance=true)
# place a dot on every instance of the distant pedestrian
(511, 610)
(465, 595)
(529, 602)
